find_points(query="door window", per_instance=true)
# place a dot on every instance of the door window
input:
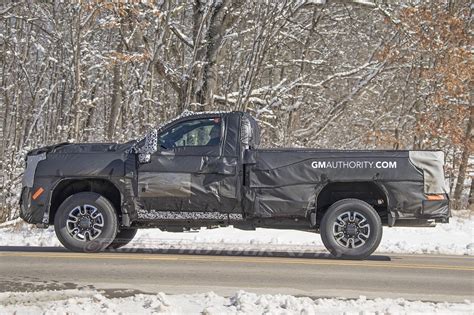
(198, 132)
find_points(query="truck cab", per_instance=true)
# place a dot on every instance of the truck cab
(192, 167)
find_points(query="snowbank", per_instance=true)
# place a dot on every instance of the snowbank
(94, 302)
(455, 238)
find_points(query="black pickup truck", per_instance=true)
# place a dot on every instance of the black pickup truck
(206, 170)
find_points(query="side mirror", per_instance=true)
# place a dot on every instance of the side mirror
(150, 147)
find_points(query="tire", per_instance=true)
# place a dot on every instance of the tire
(351, 229)
(86, 222)
(123, 238)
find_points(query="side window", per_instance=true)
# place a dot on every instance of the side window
(198, 132)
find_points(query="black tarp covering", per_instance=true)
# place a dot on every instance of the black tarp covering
(69, 162)
(285, 183)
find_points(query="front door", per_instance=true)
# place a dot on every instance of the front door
(183, 179)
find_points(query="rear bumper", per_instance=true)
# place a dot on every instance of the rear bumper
(435, 209)
(430, 213)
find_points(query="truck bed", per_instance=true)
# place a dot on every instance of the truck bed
(284, 182)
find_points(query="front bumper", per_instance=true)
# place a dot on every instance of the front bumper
(31, 212)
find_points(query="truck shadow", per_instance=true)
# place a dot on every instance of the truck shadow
(196, 252)
(240, 252)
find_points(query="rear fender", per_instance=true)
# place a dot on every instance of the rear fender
(320, 188)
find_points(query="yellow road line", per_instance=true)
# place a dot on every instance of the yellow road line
(414, 256)
(233, 259)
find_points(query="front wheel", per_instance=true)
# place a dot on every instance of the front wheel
(351, 229)
(86, 222)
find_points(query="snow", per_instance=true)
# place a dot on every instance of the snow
(455, 238)
(88, 301)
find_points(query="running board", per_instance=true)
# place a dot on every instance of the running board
(415, 223)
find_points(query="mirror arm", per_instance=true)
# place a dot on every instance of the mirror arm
(150, 147)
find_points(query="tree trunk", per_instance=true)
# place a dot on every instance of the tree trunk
(116, 99)
(75, 111)
(463, 166)
(213, 41)
(471, 196)
(207, 47)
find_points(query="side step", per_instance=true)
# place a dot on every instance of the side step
(415, 223)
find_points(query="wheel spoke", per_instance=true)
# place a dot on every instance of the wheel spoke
(82, 210)
(363, 223)
(97, 229)
(71, 222)
(352, 216)
(343, 241)
(350, 243)
(75, 231)
(96, 214)
(360, 239)
(87, 236)
(73, 218)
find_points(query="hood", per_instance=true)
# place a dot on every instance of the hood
(67, 147)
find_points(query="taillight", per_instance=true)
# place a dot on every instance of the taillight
(435, 197)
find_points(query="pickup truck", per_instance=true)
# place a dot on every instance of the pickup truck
(207, 170)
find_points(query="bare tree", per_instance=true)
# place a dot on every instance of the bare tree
(326, 73)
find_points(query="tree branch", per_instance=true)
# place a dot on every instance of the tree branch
(186, 40)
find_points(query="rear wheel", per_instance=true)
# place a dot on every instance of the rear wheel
(123, 238)
(351, 229)
(86, 222)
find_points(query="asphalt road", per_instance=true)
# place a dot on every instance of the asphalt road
(414, 277)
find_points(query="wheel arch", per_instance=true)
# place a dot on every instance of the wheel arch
(69, 186)
(372, 192)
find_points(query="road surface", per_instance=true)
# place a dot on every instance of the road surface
(414, 277)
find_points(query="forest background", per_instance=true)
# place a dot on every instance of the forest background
(324, 73)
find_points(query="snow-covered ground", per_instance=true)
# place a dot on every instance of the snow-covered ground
(455, 238)
(94, 302)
